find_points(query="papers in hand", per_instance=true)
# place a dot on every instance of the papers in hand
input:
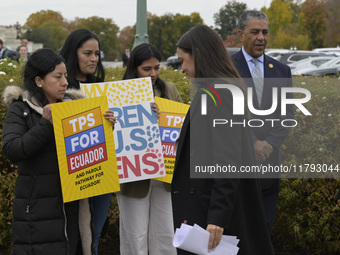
(196, 239)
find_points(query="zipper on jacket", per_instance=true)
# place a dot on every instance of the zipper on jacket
(29, 200)
(65, 229)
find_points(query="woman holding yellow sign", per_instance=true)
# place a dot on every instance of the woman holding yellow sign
(81, 52)
(146, 225)
(40, 222)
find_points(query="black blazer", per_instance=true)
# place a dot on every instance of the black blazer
(234, 204)
(277, 75)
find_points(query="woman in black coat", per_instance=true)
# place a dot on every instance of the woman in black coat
(40, 224)
(226, 203)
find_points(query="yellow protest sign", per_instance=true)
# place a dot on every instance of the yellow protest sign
(85, 148)
(171, 119)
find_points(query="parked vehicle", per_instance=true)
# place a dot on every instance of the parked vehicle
(327, 50)
(174, 62)
(311, 62)
(320, 72)
(232, 51)
(275, 53)
(330, 68)
(293, 56)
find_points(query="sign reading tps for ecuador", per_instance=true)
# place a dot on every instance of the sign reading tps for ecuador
(172, 115)
(85, 147)
(137, 136)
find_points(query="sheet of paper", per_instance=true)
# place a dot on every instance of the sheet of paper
(230, 239)
(195, 239)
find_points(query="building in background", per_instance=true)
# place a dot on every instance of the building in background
(9, 37)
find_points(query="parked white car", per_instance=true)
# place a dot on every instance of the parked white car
(337, 49)
(334, 51)
(274, 53)
(311, 62)
(332, 66)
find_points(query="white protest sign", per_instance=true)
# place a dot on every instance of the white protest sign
(136, 133)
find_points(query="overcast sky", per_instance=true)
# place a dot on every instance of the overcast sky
(122, 12)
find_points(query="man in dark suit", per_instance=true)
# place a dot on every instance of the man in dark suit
(126, 56)
(264, 74)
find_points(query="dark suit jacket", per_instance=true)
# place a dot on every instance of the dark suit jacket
(234, 204)
(277, 75)
(4, 54)
(125, 59)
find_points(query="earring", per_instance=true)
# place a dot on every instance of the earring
(39, 85)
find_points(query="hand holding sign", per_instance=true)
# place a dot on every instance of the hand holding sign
(155, 109)
(170, 123)
(109, 115)
(47, 114)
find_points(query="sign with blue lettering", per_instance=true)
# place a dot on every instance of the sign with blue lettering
(84, 140)
(137, 135)
(172, 115)
(85, 147)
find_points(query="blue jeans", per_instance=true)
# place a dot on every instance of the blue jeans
(100, 205)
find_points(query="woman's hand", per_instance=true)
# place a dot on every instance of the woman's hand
(215, 236)
(155, 109)
(109, 115)
(47, 113)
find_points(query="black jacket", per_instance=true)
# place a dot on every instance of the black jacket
(39, 219)
(232, 203)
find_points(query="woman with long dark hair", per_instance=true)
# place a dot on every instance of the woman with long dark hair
(146, 225)
(81, 51)
(223, 203)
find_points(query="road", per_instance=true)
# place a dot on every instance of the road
(112, 63)
(120, 63)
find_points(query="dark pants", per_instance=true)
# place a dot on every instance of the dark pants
(100, 206)
(270, 196)
(72, 228)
